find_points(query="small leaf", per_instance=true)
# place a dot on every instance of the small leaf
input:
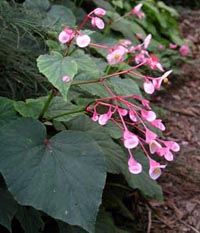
(41, 5)
(59, 16)
(7, 111)
(63, 176)
(31, 107)
(54, 67)
(8, 208)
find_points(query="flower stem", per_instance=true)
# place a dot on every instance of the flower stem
(67, 113)
(46, 105)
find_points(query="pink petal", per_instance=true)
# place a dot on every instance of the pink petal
(150, 136)
(147, 41)
(66, 79)
(134, 167)
(148, 115)
(83, 41)
(99, 12)
(153, 146)
(148, 87)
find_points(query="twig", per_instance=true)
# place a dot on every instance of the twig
(149, 221)
(191, 227)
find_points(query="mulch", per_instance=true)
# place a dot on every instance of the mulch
(180, 210)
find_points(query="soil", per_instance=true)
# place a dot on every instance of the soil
(180, 210)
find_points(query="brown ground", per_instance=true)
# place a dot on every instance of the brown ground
(180, 211)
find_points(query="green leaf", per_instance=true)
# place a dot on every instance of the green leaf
(54, 67)
(41, 5)
(30, 107)
(128, 28)
(7, 111)
(63, 176)
(87, 67)
(59, 16)
(171, 10)
(125, 86)
(104, 224)
(117, 3)
(8, 208)
(59, 107)
(30, 219)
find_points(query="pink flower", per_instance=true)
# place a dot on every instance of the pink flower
(149, 135)
(122, 111)
(141, 57)
(158, 124)
(166, 153)
(97, 22)
(130, 140)
(148, 115)
(66, 78)
(155, 169)
(133, 166)
(158, 81)
(95, 116)
(137, 11)
(99, 12)
(148, 87)
(173, 46)
(125, 42)
(184, 50)
(139, 36)
(153, 63)
(154, 146)
(147, 41)
(116, 56)
(132, 116)
(66, 35)
(104, 118)
(161, 47)
(83, 41)
(172, 145)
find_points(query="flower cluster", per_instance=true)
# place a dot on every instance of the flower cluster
(68, 34)
(132, 114)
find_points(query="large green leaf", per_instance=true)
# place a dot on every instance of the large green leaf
(7, 111)
(54, 67)
(104, 224)
(63, 176)
(59, 16)
(29, 219)
(8, 208)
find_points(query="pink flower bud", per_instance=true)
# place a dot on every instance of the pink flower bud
(148, 87)
(184, 50)
(99, 12)
(150, 136)
(148, 115)
(133, 166)
(83, 41)
(173, 46)
(130, 140)
(97, 22)
(66, 35)
(66, 79)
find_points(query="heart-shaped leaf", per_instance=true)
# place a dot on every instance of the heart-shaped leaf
(55, 67)
(63, 176)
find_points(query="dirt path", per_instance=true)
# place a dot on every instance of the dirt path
(180, 212)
